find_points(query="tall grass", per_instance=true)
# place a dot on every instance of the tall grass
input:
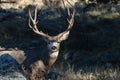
(89, 73)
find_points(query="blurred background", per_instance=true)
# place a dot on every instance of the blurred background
(92, 51)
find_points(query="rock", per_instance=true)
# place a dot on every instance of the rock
(10, 69)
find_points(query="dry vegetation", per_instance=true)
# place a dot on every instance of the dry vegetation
(89, 73)
(93, 40)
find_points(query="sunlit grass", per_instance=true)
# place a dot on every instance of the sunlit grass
(89, 73)
(103, 14)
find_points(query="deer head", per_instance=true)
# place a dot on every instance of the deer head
(52, 41)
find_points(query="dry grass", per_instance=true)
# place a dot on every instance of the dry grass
(10, 71)
(89, 73)
(69, 73)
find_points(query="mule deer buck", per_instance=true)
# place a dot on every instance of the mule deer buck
(35, 64)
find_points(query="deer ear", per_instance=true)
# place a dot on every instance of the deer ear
(63, 36)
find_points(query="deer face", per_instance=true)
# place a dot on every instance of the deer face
(53, 46)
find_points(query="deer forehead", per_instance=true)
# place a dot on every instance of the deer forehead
(53, 44)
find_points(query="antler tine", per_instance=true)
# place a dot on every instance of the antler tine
(35, 13)
(71, 21)
(64, 35)
(30, 16)
(29, 22)
(34, 21)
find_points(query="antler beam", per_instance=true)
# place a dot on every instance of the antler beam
(34, 27)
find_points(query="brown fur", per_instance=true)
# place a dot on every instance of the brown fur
(36, 64)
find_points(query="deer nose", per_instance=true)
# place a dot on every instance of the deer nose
(53, 47)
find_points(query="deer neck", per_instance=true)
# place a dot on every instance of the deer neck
(53, 57)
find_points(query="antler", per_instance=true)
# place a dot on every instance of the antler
(60, 37)
(34, 27)
(66, 32)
